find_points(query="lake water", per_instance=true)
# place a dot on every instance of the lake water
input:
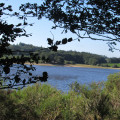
(62, 77)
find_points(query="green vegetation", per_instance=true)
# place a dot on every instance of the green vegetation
(65, 57)
(113, 65)
(59, 57)
(97, 101)
(41, 102)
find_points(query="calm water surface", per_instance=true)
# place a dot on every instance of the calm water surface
(62, 77)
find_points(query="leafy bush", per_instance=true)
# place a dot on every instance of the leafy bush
(69, 62)
(114, 66)
(105, 65)
(97, 101)
(112, 87)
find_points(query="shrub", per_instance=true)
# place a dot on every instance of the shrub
(69, 62)
(112, 87)
(96, 101)
(114, 66)
(105, 65)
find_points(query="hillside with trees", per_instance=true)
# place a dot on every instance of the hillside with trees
(62, 57)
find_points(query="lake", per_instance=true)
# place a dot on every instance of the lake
(61, 77)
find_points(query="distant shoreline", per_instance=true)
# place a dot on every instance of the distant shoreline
(73, 65)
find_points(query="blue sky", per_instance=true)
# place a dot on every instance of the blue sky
(42, 30)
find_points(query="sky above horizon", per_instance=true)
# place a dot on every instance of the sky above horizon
(41, 30)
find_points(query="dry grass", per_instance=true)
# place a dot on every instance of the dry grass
(74, 65)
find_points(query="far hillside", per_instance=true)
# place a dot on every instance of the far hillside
(64, 57)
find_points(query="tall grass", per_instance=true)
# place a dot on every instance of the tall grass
(98, 101)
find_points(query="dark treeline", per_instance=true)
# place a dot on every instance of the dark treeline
(62, 57)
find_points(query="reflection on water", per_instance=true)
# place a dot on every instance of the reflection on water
(60, 77)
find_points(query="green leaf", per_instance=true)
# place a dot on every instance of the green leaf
(50, 41)
(70, 39)
(58, 42)
(64, 41)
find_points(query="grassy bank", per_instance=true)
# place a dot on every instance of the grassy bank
(98, 101)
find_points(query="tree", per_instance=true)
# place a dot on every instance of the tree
(92, 61)
(9, 33)
(97, 20)
(59, 59)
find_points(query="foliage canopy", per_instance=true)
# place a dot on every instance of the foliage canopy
(97, 20)
(9, 33)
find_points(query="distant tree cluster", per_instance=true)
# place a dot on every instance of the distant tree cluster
(63, 57)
